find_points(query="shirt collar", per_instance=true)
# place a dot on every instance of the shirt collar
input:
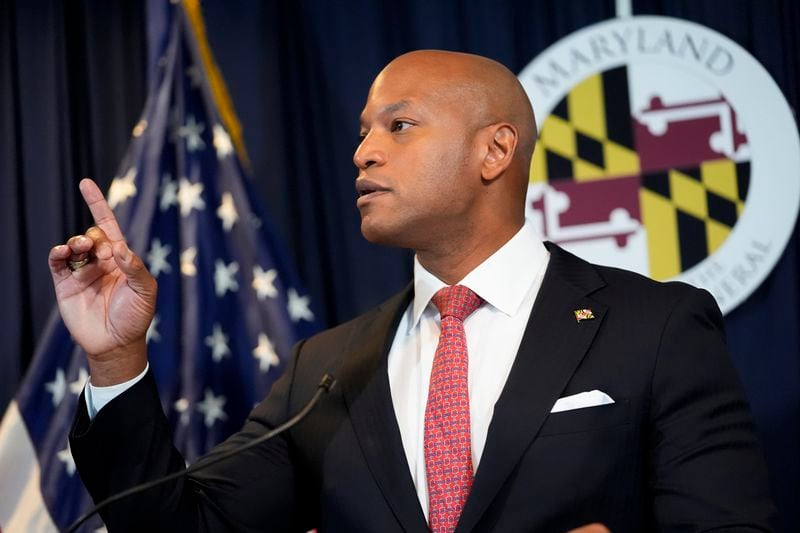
(501, 280)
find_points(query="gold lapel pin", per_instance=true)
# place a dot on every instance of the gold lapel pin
(583, 314)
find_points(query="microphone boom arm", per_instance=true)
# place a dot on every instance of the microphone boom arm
(324, 386)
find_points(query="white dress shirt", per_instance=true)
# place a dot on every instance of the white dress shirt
(508, 281)
(98, 397)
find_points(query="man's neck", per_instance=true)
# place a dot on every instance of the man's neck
(453, 261)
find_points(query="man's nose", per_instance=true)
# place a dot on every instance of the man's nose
(369, 152)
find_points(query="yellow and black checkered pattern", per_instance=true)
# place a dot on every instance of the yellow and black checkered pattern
(589, 133)
(688, 213)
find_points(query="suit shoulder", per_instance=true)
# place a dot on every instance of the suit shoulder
(626, 281)
(621, 279)
(341, 333)
(616, 284)
(644, 296)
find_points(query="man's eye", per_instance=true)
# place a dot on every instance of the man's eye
(361, 137)
(400, 125)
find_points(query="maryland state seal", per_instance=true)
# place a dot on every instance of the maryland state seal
(664, 148)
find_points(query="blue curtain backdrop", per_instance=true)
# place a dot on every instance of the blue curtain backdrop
(72, 81)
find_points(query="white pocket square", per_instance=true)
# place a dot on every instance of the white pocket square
(581, 400)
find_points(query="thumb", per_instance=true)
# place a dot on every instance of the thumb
(139, 279)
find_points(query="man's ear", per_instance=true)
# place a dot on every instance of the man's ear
(501, 147)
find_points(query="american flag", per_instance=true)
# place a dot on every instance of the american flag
(230, 305)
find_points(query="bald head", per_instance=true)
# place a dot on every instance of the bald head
(444, 158)
(486, 91)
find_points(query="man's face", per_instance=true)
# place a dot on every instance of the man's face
(418, 174)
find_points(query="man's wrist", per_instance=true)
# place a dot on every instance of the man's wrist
(118, 365)
(98, 397)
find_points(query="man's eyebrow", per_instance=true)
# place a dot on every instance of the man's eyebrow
(388, 109)
(393, 108)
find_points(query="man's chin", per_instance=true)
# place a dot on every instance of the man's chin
(377, 234)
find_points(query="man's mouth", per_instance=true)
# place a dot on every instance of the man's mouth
(367, 188)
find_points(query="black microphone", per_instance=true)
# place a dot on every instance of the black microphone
(324, 386)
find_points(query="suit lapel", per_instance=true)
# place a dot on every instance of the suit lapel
(368, 396)
(552, 347)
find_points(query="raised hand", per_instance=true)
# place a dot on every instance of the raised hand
(107, 299)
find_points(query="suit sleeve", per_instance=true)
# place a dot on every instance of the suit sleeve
(706, 466)
(130, 442)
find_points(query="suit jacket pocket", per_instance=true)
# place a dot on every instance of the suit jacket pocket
(587, 419)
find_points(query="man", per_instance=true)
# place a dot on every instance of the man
(513, 387)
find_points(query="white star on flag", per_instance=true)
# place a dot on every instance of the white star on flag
(298, 307)
(169, 192)
(57, 387)
(157, 257)
(224, 279)
(75, 387)
(191, 132)
(152, 331)
(218, 342)
(222, 141)
(122, 188)
(265, 353)
(189, 196)
(182, 407)
(140, 128)
(187, 261)
(211, 407)
(65, 456)
(264, 282)
(227, 211)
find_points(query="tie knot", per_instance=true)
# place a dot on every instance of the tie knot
(457, 301)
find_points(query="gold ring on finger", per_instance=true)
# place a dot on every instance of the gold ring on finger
(75, 265)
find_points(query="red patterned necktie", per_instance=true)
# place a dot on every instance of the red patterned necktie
(448, 451)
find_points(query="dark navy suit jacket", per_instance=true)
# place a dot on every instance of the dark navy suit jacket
(675, 452)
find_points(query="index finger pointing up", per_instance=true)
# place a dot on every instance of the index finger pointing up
(101, 212)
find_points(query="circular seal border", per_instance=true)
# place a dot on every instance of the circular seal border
(758, 239)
